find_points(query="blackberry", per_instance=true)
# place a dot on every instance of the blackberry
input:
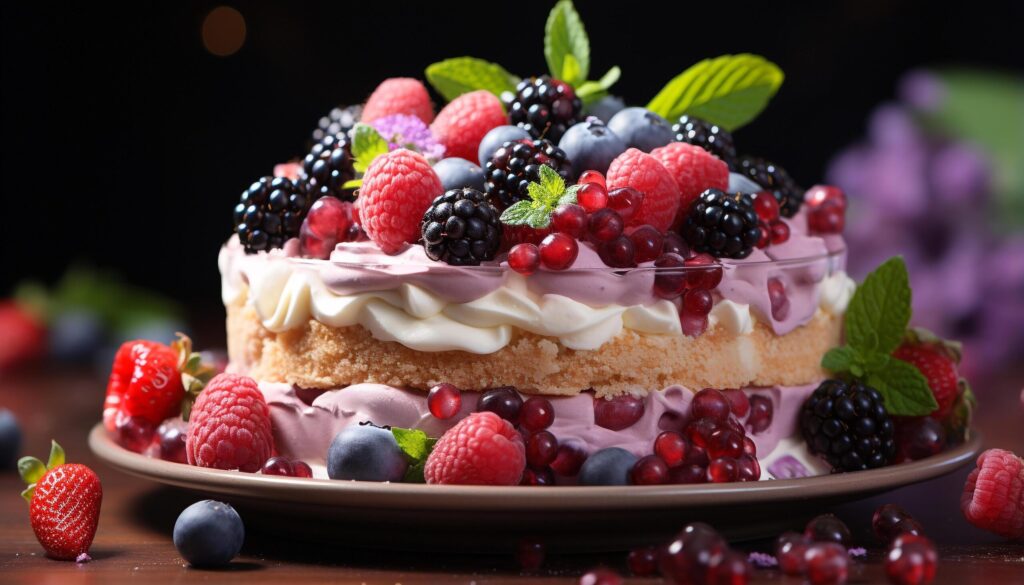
(846, 423)
(338, 121)
(723, 225)
(706, 135)
(774, 179)
(270, 212)
(461, 228)
(516, 164)
(328, 166)
(544, 107)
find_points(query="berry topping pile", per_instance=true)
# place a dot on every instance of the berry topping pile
(515, 165)
(270, 212)
(461, 228)
(544, 107)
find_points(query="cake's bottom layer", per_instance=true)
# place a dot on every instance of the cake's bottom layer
(306, 421)
(319, 356)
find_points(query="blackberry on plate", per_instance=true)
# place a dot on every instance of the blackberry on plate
(722, 225)
(710, 137)
(338, 121)
(846, 423)
(516, 164)
(461, 228)
(328, 166)
(773, 178)
(544, 107)
(270, 212)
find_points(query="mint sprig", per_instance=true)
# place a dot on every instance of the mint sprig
(417, 447)
(454, 77)
(730, 90)
(367, 144)
(566, 44)
(545, 196)
(876, 322)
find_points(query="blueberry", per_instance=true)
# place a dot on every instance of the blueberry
(366, 453)
(75, 336)
(10, 440)
(496, 137)
(209, 534)
(607, 467)
(606, 107)
(641, 128)
(457, 173)
(591, 145)
(741, 184)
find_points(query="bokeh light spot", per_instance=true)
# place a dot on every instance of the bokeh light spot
(223, 31)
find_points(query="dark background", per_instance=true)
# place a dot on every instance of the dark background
(126, 144)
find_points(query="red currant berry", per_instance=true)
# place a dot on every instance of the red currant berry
(649, 470)
(301, 469)
(530, 555)
(329, 217)
(731, 568)
(697, 301)
(541, 449)
(601, 576)
(169, 440)
(723, 470)
(618, 412)
(503, 401)
(725, 443)
(591, 177)
(738, 401)
(671, 447)
(779, 232)
(558, 251)
(625, 200)
(648, 243)
(618, 253)
(790, 550)
(761, 413)
(675, 244)
(643, 562)
(689, 558)
(685, 474)
(537, 414)
(696, 456)
(828, 528)
(540, 477)
(697, 276)
(134, 433)
(779, 300)
(766, 236)
(568, 461)
(699, 431)
(749, 447)
(524, 259)
(592, 197)
(444, 401)
(278, 466)
(766, 206)
(918, 437)
(569, 219)
(669, 276)
(912, 560)
(819, 195)
(748, 468)
(710, 403)
(889, 520)
(693, 325)
(827, 563)
(605, 225)
(827, 219)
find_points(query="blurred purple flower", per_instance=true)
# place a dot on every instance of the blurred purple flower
(922, 90)
(404, 131)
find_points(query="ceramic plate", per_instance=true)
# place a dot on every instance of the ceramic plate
(472, 518)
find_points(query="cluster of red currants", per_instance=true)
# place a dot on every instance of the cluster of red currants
(826, 207)
(698, 554)
(328, 222)
(774, 231)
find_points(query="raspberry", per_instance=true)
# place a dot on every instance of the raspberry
(993, 497)
(399, 95)
(646, 174)
(462, 124)
(144, 382)
(397, 190)
(938, 368)
(229, 427)
(694, 169)
(483, 449)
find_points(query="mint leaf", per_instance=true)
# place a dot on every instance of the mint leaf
(454, 77)
(414, 474)
(879, 311)
(903, 388)
(539, 219)
(591, 91)
(552, 184)
(367, 144)
(839, 359)
(564, 36)
(569, 198)
(730, 90)
(414, 443)
(517, 213)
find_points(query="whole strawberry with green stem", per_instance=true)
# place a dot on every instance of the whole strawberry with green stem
(64, 504)
(937, 361)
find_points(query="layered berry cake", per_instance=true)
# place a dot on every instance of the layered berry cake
(540, 285)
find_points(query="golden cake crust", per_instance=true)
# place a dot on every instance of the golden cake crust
(319, 356)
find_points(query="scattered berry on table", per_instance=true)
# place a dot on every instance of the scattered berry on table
(496, 137)
(229, 426)
(536, 414)
(912, 560)
(544, 107)
(643, 562)
(647, 175)
(209, 534)
(591, 145)
(558, 251)
(694, 170)
(530, 555)
(328, 166)
(601, 576)
(649, 470)
(444, 401)
(399, 95)
(610, 466)
(462, 124)
(524, 258)
(270, 212)
(503, 401)
(618, 412)
(993, 497)
(482, 449)
(516, 164)
(918, 437)
(846, 424)
(10, 440)
(144, 383)
(891, 520)
(790, 550)
(367, 453)
(606, 107)
(338, 121)
(641, 128)
(689, 557)
(939, 367)
(541, 449)
(459, 173)
(461, 228)
(827, 563)
(732, 568)
(711, 137)
(775, 179)
(397, 190)
(828, 528)
(725, 226)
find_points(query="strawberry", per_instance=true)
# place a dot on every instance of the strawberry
(64, 504)
(937, 360)
(24, 336)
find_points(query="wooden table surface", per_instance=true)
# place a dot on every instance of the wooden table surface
(133, 543)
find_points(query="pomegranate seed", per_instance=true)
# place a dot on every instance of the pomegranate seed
(134, 432)
(697, 302)
(329, 217)
(725, 443)
(912, 560)
(648, 243)
(530, 555)
(278, 466)
(818, 195)
(524, 259)
(766, 236)
(738, 401)
(541, 449)
(591, 177)
(669, 276)
(827, 219)
(558, 251)
(592, 196)
(779, 231)
(723, 470)
(627, 201)
(696, 456)
(671, 447)
(601, 576)
(537, 414)
(708, 278)
(618, 253)
(503, 401)
(619, 412)
(826, 563)
(918, 437)
(685, 474)
(890, 520)
(693, 325)
(731, 568)
(761, 412)
(675, 244)
(749, 447)
(569, 219)
(698, 431)
(790, 549)
(312, 246)
(605, 225)
(444, 401)
(710, 403)
(169, 440)
(778, 298)
(301, 469)
(649, 470)
(568, 461)
(748, 469)
(540, 477)
(766, 207)
(828, 528)
(643, 562)
(689, 558)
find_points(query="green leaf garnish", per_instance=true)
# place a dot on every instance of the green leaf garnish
(566, 45)
(730, 90)
(591, 91)
(839, 359)
(417, 447)
(904, 389)
(545, 195)
(454, 77)
(367, 144)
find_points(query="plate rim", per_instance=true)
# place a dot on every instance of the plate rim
(365, 494)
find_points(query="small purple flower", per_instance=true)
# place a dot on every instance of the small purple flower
(788, 467)
(404, 131)
(857, 552)
(922, 90)
(762, 560)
